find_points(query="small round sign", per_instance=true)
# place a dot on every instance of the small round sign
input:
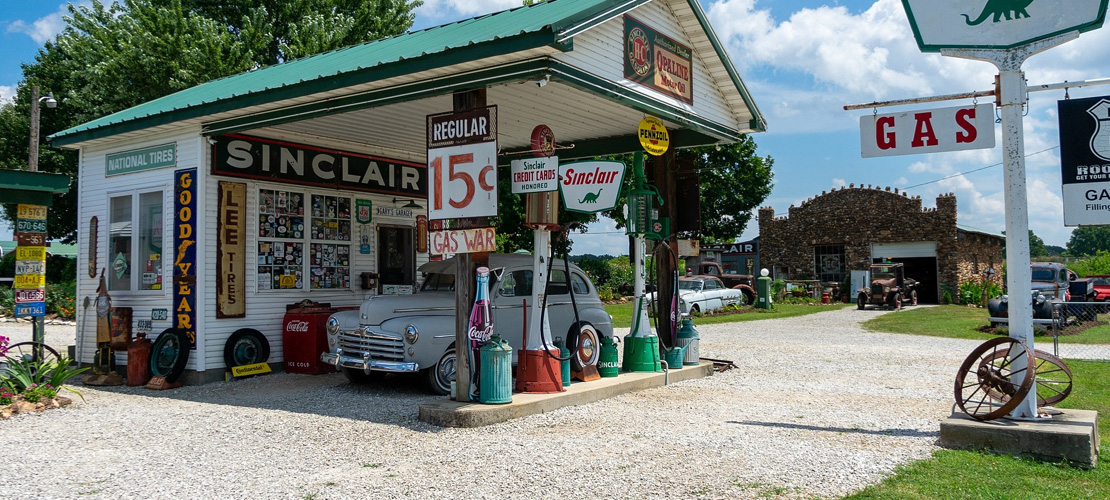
(653, 136)
(543, 141)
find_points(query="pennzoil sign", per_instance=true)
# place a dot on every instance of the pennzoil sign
(658, 61)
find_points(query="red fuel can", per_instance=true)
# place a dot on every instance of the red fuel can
(304, 337)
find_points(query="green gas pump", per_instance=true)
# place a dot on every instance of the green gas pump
(763, 290)
(641, 345)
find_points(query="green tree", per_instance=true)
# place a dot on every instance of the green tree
(1089, 240)
(112, 57)
(1037, 247)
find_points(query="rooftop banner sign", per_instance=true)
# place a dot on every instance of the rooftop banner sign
(998, 24)
(136, 160)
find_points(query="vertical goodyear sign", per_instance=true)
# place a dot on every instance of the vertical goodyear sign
(185, 253)
(1085, 160)
(657, 61)
(231, 251)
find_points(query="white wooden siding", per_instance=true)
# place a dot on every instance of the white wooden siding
(600, 50)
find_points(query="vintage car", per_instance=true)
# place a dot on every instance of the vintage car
(1052, 279)
(416, 333)
(1101, 284)
(889, 287)
(699, 294)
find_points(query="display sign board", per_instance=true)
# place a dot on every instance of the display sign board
(30, 253)
(256, 158)
(591, 186)
(136, 160)
(30, 309)
(32, 295)
(1085, 160)
(535, 175)
(30, 267)
(29, 281)
(185, 258)
(927, 131)
(30, 239)
(30, 226)
(462, 241)
(231, 251)
(998, 24)
(33, 212)
(462, 164)
(653, 136)
(658, 61)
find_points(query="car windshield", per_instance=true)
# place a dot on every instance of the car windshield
(1043, 274)
(1100, 281)
(437, 282)
(694, 285)
(882, 272)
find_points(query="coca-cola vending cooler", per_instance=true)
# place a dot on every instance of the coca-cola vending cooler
(304, 337)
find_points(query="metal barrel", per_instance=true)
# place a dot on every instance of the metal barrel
(688, 339)
(496, 383)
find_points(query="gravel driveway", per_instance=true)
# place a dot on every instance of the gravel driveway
(817, 408)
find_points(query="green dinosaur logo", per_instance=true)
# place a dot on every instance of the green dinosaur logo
(1011, 9)
(590, 197)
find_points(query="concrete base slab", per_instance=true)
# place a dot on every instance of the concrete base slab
(450, 413)
(1070, 435)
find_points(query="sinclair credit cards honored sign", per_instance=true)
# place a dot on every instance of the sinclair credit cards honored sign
(1085, 160)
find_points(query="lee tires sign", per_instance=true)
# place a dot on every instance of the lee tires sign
(927, 131)
(998, 24)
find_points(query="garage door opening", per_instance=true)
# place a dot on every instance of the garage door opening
(924, 270)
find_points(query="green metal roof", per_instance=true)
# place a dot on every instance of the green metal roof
(507, 31)
(969, 229)
(36, 188)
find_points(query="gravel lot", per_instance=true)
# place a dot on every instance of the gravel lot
(817, 408)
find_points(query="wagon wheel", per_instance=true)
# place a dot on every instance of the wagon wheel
(990, 391)
(1053, 379)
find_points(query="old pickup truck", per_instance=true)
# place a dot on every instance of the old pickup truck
(742, 282)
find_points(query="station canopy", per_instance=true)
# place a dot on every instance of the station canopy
(375, 96)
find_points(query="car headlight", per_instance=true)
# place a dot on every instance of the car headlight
(411, 334)
(333, 326)
(886, 289)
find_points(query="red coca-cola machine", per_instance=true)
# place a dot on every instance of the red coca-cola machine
(304, 337)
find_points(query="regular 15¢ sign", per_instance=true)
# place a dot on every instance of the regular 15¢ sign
(462, 164)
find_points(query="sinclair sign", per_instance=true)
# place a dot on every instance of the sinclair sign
(998, 24)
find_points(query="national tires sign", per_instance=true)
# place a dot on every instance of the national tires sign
(1085, 160)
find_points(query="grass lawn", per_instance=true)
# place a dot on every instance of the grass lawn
(622, 313)
(961, 322)
(965, 474)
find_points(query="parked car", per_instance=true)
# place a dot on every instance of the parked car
(889, 286)
(742, 282)
(698, 294)
(1052, 279)
(416, 333)
(1101, 284)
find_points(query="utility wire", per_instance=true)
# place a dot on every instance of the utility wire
(976, 170)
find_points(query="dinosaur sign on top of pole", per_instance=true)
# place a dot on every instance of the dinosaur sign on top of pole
(998, 24)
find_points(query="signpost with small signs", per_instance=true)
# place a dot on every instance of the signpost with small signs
(30, 261)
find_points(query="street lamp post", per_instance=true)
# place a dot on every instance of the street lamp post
(38, 329)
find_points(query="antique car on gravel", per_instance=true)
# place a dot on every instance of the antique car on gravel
(416, 333)
(700, 294)
(889, 287)
(743, 282)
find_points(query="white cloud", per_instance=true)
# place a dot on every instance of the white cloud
(839, 183)
(7, 94)
(442, 10)
(45, 28)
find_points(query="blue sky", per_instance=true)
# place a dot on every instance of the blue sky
(803, 61)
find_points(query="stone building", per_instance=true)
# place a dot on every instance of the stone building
(848, 229)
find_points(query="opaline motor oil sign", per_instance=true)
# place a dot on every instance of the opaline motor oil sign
(657, 61)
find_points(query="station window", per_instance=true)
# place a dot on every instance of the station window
(285, 233)
(829, 262)
(135, 242)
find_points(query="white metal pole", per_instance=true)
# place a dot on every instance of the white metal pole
(1013, 96)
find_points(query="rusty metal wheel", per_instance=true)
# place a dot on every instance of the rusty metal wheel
(1052, 375)
(1000, 380)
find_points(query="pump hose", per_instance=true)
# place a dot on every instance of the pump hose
(543, 307)
(672, 325)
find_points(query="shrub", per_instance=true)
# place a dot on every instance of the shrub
(971, 291)
(7, 301)
(61, 299)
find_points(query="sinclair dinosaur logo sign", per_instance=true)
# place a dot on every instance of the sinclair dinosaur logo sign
(998, 24)
(590, 186)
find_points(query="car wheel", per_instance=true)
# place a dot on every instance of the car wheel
(746, 298)
(588, 340)
(356, 376)
(169, 354)
(861, 301)
(913, 298)
(442, 374)
(694, 309)
(246, 346)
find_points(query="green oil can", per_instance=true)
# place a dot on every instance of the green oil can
(607, 365)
